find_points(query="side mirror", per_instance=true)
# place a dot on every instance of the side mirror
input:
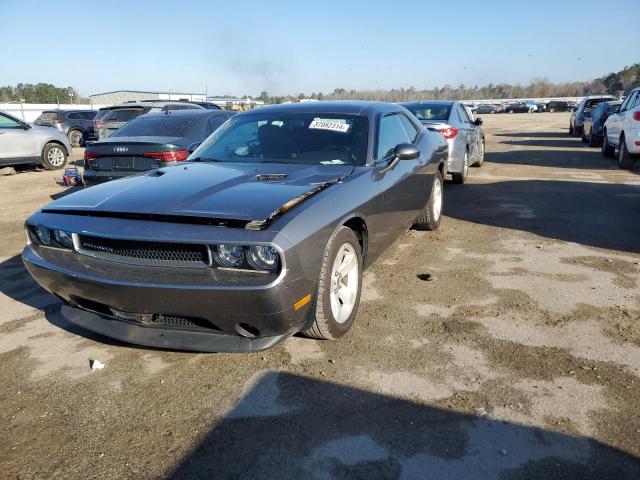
(25, 126)
(406, 151)
(193, 147)
(477, 122)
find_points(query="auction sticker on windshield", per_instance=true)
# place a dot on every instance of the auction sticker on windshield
(338, 125)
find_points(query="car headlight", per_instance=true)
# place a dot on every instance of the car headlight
(50, 237)
(231, 256)
(263, 257)
(252, 257)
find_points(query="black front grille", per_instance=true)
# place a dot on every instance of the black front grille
(164, 321)
(146, 253)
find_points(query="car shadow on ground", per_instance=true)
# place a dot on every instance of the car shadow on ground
(17, 284)
(600, 215)
(587, 159)
(290, 426)
(555, 134)
(547, 143)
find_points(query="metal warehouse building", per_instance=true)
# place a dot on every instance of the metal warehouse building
(121, 96)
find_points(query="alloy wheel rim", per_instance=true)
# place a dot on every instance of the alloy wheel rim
(344, 283)
(75, 138)
(55, 157)
(437, 199)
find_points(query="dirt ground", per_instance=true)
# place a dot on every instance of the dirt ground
(519, 360)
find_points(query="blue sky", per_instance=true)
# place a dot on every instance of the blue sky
(238, 47)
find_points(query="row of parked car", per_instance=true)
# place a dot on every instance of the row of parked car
(528, 106)
(612, 124)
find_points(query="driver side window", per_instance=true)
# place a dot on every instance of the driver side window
(6, 122)
(391, 133)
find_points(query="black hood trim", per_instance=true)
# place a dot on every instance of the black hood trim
(153, 217)
(263, 224)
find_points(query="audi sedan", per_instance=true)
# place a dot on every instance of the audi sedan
(262, 233)
(150, 141)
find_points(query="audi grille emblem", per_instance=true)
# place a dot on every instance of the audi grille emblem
(120, 149)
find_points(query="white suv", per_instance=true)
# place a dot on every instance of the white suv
(622, 131)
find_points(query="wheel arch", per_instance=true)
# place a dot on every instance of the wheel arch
(359, 227)
(55, 141)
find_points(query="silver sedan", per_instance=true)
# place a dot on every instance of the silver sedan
(458, 127)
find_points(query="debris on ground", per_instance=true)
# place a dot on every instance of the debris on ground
(481, 412)
(96, 364)
(425, 277)
(7, 171)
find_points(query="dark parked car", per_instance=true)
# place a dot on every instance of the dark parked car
(519, 107)
(264, 232)
(75, 124)
(584, 111)
(120, 115)
(150, 141)
(207, 105)
(486, 108)
(593, 126)
(559, 106)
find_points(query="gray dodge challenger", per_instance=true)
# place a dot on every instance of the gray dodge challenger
(263, 232)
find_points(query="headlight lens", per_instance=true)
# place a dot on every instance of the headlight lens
(50, 237)
(229, 255)
(263, 257)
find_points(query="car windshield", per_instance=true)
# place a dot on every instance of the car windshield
(430, 111)
(123, 114)
(163, 125)
(300, 138)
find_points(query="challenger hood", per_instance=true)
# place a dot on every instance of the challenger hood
(251, 192)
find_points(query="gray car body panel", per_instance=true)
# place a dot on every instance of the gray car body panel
(211, 203)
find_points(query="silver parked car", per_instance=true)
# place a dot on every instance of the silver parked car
(458, 127)
(24, 143)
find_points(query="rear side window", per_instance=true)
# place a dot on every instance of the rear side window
(47, 117)
(88, 115)
(391, 133)
(165, 126)
(74, 116)
(637, 102)
(123, 114)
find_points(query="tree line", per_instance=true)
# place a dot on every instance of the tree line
(39, 93)
(613, 83)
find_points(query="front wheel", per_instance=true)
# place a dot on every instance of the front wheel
(54, 156)
(461, 177)
(480, 161)
(583, 137)
(429, 217)
(593, 141)
(339, 286)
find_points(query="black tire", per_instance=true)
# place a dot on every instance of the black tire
(583, 138)
(54, 156)
(76, 137)
(607, 149)
(480, 162)
(429, 218)
(624, 159)
(593, 141)
(570, 129)
(461, 177)
(325, 326)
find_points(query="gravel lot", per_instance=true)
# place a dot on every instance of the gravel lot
(520, 359)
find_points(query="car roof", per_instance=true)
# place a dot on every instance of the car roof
(353, 107)
(147, 103)
(431, 102)
(194, 112)
(60, 110)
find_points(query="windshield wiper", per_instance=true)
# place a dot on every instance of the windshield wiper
(203, 159)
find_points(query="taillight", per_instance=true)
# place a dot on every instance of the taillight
(636, 115)
(448, 132)
(89, 155)
(169, 155)
(57, 120)
(98, 123)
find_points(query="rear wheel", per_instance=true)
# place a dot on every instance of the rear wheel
(593, 141)
(570, 129)
(607, 149)
(624, 159)
(461, 177)
(583, 137)
(76, 138)
(54, 156)
(429, 217)
(339, 287)
(480, 161)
